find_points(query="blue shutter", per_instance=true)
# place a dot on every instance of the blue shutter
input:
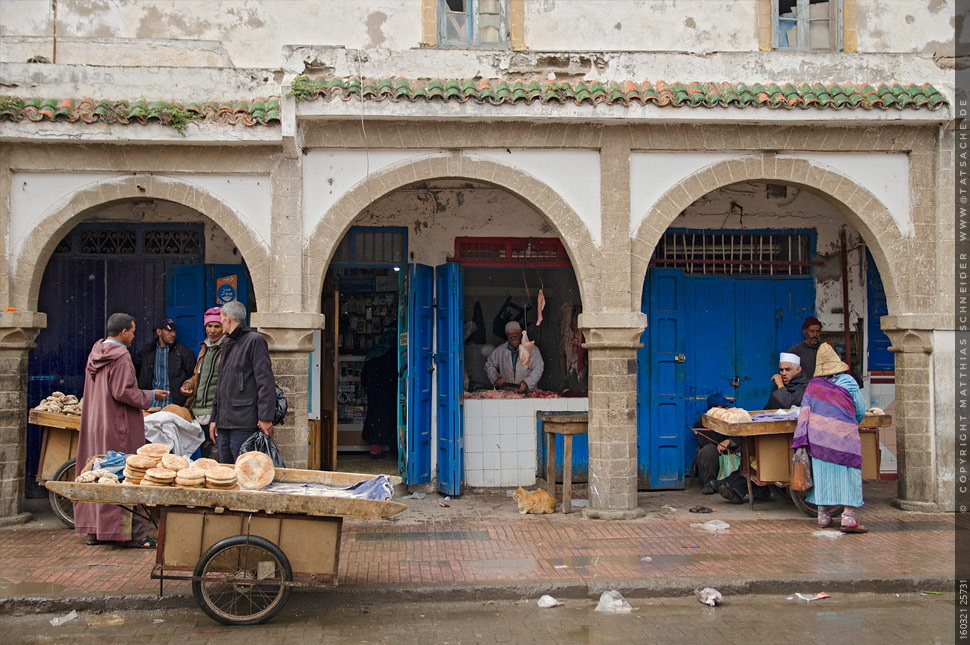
(449, 355)
(420, 365)
(186, 302)
(661, 447)
(880, 358)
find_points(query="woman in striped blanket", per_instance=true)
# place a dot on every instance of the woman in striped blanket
(828, 426)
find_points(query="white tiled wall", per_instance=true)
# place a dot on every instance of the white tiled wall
(500, 438)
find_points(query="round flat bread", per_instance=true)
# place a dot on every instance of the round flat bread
(205, 463)
(179, 410)
(160, 474)
(254, 470)
(191, 473)
(88, 477)
(139, 462)
(174, 462)
(221, 475)
(227, 487)
(189, 483)
(109, 478)
(155, 450)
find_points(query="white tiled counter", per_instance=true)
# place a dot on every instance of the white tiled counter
(500, 438)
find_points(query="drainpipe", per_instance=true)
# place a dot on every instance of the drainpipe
(845, 301)
(54, 23)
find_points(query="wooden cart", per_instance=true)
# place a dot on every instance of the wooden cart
(244, 550)
(57, 452)
(767, 449)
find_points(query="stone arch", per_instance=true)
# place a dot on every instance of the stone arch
(859, 206)
(322, 242)
(37, 248)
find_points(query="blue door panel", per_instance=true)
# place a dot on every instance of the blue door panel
(186, 304)
(450, 373)
(880, 358)
(420, 366)
(756, 349)
(643, 394)
(666, 406)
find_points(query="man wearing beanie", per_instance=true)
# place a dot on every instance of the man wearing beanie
(201, 387)
(808, 348)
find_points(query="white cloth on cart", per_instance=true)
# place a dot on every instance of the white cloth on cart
(181, 436)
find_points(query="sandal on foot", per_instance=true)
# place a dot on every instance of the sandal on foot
(855, 528)
(825, 524)
(147, 542)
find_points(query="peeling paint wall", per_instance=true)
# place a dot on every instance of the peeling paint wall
(801, 209)
(253, 33)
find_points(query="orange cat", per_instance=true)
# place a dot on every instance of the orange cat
(538, 501)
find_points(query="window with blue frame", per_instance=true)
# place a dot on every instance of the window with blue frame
(807, 25)
(473, 22)
(374, 246)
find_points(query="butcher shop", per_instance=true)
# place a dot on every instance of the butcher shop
(439, 299)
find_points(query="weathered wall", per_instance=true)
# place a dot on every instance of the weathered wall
(923, 27)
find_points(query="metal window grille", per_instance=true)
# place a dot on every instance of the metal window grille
(177, 242)
(707, 253)
(378, 246)
(107, 242)
(64, 246)
(511, 251)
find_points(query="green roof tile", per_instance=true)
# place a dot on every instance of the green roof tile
(249, 113)
(788, 96)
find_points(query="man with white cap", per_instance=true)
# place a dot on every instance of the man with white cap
(790, 383)
(503, 367)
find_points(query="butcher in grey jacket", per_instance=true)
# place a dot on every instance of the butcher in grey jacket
(245, 400)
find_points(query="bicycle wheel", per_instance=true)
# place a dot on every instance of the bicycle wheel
(242, 580)
(63, 507)
(798, 497)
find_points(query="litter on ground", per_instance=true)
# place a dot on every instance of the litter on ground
(547, 602)
(613, 602)
(60, 620)
(712, 525)
(709, 596)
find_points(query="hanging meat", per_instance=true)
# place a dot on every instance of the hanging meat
(525, 350)
(572, 353)
(540, 305)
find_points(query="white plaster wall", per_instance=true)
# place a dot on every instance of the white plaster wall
(573, 174)
(885, 175)
(652, 174)
(924, 26)
(34, 196)
(252, 32)
(642, 25)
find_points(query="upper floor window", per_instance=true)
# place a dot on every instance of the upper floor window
(472, 22)
(807, 24)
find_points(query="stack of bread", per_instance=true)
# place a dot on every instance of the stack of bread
(190, 477)
(221, 478)
(174, 462)
(98, 476)
(730, 415)
(875, 412)
(60, 403)
(135, 468)
(158, 476)
(205, 463)
(154, 451)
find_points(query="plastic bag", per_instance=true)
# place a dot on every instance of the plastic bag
(613, 602)
(280, 407)
(729, 462)
(801, 471)
(260, 442)
(113, 462)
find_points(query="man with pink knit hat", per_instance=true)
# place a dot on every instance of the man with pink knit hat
(201, 388)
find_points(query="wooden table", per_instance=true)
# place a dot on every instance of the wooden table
(766, 447)
(567, 426)
(59, 443)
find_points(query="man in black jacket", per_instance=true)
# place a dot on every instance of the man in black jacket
(790, 383)
(164, 364)
(245, 400)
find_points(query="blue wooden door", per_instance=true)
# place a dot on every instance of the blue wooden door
(403, 375)
(662, 456)
(756, 348)
(449, 356)
(186, 302)
(420, 366)
(880, 358)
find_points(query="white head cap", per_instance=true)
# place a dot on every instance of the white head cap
(512, 325)
(790, 358)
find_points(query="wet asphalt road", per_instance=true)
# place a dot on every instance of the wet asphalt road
(858, 618)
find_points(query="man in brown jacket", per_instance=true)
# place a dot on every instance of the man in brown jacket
(112, 420)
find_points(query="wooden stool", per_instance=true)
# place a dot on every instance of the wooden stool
(567, 426)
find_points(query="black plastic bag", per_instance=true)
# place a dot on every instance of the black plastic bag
(260, 442)
(280, 406)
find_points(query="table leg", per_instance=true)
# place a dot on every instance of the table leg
(744, 455)
(567, 474)
(551, 463)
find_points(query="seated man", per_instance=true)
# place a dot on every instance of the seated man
(790, 383)
(710, 446)
(503, 366)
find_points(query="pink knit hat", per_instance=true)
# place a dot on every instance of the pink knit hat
(212, 315)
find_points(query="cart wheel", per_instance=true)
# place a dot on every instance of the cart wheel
(242, 580)
(798, 497)
(63, 507)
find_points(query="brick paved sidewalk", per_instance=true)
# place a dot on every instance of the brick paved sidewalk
(480, 542)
